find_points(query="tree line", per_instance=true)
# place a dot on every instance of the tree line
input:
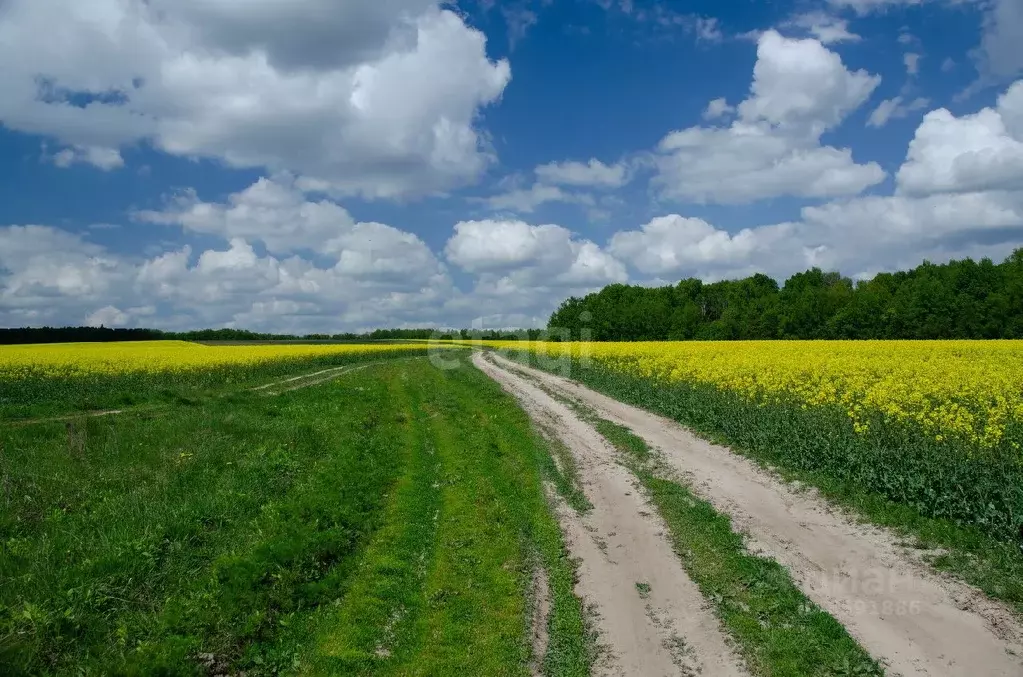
(27, 335)
(958, 300)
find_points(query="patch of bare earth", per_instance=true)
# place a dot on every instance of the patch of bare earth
(913, 619)
(651, 618)
(541, 613)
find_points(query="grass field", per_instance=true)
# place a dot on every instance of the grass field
(54, 379)
(358, 526)
(179, 509)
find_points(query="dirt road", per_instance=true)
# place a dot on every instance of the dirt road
(651, 617)
(913, 620)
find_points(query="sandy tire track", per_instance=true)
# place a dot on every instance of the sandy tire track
(540, 614)
(913, 619)
(651, 618)
(300, 377)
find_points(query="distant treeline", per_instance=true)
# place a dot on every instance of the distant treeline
(103, 334)
(958, 300)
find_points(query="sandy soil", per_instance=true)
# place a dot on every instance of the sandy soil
(541, 613)
(651, 618)
(299, 378)
(906, 615)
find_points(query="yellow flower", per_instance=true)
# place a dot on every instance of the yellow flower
(83, 359)
(968, 391)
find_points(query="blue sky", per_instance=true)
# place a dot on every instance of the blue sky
(313, 165)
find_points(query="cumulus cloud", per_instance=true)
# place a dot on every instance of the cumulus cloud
(672, 245)
(272, 210)
(978, 152)
(237, 286)
(358, 274)
(108, 316)
(960, 193)
(800, 90)
(291, 262)
(375, 98)
(800, 86)
(859, 236)
(297, 34)
(718, 108)
(498, 246)
(521, 268)
(362, 274)
(46, 272)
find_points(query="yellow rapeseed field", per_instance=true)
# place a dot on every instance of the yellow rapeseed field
(71, 359)
(969, 391)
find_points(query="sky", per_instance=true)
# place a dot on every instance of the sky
(341, 165)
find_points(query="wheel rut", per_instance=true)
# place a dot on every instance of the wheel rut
(650, 616)
(907, 616)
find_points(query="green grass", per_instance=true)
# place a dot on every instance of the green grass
(37, 394)
(937, 500)
(388, 522)
(562, 471)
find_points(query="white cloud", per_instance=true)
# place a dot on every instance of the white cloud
(902, 219)
(525, 269)
(238, 287)
(593, 173)
(273, 211)
(1000, 54)
(893, 109)
(800, 86)
(912, 62)
(800, 90)
(859, 236)
(978, 152)
(108, 316)
(526, 200)
(745, 164)
(827, 28)
(552, 179)
(49, 275)
(718, 108)
(487, 246)
(866, 6)
(674, 245)
(106, 159)
(299, 33)
(960, 193)
(708, 29)
(519, 20)
(377, 98)
(366, 275)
